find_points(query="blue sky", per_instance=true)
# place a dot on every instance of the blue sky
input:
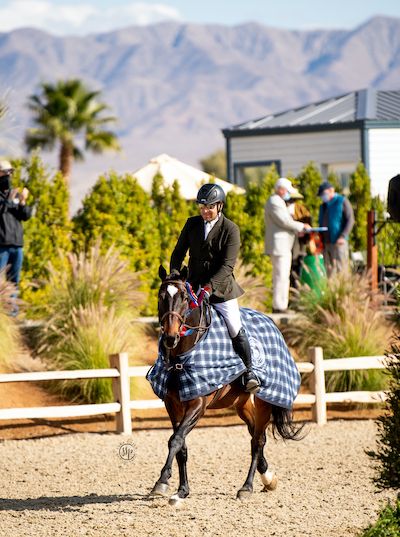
(64, 17)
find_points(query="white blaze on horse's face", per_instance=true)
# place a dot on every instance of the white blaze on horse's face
(172, 290)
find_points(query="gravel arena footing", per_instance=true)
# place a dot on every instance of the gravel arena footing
(88, 484)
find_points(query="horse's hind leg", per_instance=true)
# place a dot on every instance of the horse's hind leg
(246, 412)
(258, 461)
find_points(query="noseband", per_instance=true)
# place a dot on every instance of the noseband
(172, 313)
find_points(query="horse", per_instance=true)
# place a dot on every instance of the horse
(176, 316)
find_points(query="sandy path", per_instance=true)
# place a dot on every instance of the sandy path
(77, 485)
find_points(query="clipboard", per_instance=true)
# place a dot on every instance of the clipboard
(315, 230)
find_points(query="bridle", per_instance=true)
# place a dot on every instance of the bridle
(176, 314)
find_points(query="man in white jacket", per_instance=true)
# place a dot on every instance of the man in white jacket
(280, 232)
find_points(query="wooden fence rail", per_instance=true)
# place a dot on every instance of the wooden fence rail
(120, 373)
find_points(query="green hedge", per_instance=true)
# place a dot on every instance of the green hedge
(145, 228)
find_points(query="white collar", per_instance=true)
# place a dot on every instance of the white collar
(209, 225)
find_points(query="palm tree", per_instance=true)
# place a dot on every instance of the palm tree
(63, 111)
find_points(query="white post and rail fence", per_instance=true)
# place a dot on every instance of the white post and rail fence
(120, 373)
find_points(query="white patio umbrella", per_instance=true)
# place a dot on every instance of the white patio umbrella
(190, 179)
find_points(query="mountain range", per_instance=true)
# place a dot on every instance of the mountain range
(175, 86)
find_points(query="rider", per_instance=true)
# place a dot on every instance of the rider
(213, 242)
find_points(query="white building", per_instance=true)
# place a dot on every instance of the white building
(335, 134)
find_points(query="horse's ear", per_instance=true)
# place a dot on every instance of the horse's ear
(184, 273)
(162, 273)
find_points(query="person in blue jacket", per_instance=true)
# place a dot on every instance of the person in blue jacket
(335, 213)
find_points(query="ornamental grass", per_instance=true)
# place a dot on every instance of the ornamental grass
(93, 334)
(256, 294)
(91, 311)
(10, 342)
(344, 317)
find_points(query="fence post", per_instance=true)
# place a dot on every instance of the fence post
(317, 384)
(121, 391)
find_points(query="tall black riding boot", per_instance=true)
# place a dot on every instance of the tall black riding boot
(242, 347)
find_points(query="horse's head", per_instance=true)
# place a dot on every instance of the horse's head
(173, 305)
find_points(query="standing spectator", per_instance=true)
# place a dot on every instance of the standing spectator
(280, 232)
(335, 213)
(13, 210)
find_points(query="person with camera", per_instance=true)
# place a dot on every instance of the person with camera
(213, 242)
(13, 210)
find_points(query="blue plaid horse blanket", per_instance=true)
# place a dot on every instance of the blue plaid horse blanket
(212, 363)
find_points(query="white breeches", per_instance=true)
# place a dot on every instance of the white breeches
(281, 265)
(231, 314)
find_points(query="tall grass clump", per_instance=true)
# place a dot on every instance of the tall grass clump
(255, 291)
(91, 311)
(96, 333)
(10, 335)
(343, 316)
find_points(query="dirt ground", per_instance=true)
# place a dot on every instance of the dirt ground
(78, 485)
(65, 477)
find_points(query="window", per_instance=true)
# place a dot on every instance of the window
(253, 172)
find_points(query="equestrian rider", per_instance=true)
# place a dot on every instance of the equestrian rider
(213, 242)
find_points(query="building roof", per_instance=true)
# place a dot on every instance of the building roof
(367, 104)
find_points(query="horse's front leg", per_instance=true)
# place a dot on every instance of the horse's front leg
(193, 412)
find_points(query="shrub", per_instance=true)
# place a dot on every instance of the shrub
(215, 164)
(388, 523)
(360, 198)
(143, 228)
(388, 452)
(308, 182)
(342, 316)
(388, 237)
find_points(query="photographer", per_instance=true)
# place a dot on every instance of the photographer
(13, 210)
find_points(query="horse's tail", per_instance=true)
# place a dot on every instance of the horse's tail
(284, 426)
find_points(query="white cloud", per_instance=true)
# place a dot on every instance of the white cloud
(64, 19)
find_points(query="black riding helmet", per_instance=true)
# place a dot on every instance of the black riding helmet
(210, 193)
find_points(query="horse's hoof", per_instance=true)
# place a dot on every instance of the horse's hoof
(159, 489)
(269, 480)
(175, 501)
(243, 494)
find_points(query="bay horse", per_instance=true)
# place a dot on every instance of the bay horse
(174, 315)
